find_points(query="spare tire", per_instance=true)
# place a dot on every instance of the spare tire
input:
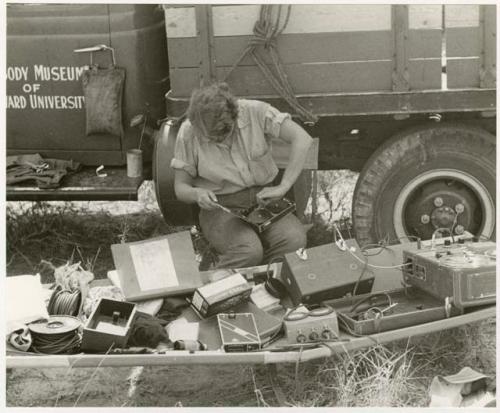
(174, 211)
(419, 180)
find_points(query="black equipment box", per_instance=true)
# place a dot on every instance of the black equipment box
(109, 325)
(373, 313)
(261, 217)
(238, 332)
(463, 272)
(328, 272)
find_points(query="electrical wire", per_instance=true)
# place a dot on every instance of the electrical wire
(63, 343)
(382, 267)
(64, 302)
(371, 296)
(271, 262)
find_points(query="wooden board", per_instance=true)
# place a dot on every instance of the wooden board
(425, 16)
(386, 103)
(463, 41)
(21, 360)
(425, 74)
(463, 73)
(239, 20)
(424, 43)
(461, 15)
(84, 185)
(292, 48)
(305, 78)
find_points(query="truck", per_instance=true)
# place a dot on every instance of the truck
(405, 94)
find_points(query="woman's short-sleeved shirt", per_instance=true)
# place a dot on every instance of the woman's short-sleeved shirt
(243, 162)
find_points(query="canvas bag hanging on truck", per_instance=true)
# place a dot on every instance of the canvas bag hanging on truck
(103, 91)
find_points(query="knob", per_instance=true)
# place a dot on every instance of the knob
(301, 338)
(327, 334)
(314, 336)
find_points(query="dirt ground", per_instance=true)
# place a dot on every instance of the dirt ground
(59, 232)
(193, 386)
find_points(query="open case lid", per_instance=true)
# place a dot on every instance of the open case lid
(158, 267)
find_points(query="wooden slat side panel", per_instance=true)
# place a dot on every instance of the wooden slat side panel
(463, 73)
(425, 74)
(424, 43)
(489, 46)
(461, 15)
(313, 78)
(239, 20)
(292, 48)
(463, 41)
(180, 22)
(183, 52)
(425, 16)
(312, 47)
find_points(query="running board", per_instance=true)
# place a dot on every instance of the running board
(85, 185)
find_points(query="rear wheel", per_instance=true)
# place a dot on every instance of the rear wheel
(424, 179)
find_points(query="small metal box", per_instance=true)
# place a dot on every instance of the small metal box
(411, 307)
(238, 332)
(108, 326)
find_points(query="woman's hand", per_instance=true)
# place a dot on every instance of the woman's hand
(271, 193)
(206, 199)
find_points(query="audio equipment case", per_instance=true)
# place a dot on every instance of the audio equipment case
(328, 272)
(413, 307)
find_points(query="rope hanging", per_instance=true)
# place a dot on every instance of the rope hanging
(265, 33)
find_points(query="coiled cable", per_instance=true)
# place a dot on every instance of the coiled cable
(63, 343)
(64, 302)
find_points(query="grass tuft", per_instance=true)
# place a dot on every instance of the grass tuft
(58, 233)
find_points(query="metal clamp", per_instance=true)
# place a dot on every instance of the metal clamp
(97, 48)
(447, 306)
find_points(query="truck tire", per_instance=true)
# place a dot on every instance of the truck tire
(421, 179)
(174, 211)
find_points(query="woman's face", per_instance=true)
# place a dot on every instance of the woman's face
(221, 133)
(217, 130)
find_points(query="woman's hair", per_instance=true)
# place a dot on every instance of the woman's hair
(212, 109)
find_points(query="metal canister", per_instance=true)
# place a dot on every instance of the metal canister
(134, 163)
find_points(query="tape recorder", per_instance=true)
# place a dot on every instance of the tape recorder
(463, 272)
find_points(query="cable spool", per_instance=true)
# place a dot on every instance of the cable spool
(57, 335)
(64, 302)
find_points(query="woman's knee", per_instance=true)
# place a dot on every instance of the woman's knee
(243, 254)
(296, 237)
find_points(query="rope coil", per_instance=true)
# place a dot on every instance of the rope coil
(265, 33)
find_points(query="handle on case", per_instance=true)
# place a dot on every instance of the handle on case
(97, 48)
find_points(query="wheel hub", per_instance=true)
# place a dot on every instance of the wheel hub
(443, 217)
(434, 200)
